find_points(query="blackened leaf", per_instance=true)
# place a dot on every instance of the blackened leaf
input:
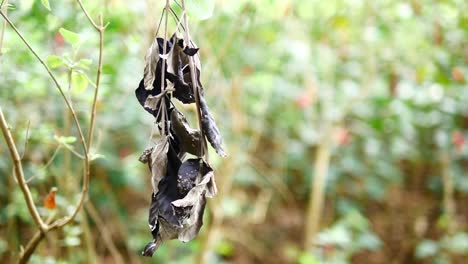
(153, 105)
(190, 51)
(152, 58)
(153, 216)
(188, 138)
(178, 70)
(182, 90)
(190, 208)
(149, 249)
(167, 188)
(159, 161)
(162, 220)
(210, 129)
(187, 175)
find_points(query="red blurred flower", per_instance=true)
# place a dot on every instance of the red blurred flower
(304, 100)
(59, 41)
(341, 136)
(458, 140)
(457, 74)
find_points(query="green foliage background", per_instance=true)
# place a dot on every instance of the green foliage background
(383, 81)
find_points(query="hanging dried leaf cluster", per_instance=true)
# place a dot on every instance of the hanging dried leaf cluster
(181, 177)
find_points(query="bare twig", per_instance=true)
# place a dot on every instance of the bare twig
(54, 79)
(31, 247)
(33, 243)
(19, 174)
(75, 119)
(100, 29)
(2, 34)
(44, 228)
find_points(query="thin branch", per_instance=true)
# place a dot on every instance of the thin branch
(2, 34)
(14, 153)
(85, 186)
(54, 79)
(19, 174)
(100, 29)
(75, 119)
(31, 247)
(33, 243)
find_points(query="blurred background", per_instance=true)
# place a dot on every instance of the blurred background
(345, 123)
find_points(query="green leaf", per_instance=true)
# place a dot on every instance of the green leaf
(306, 258)
(65, 140)
(54, 61)
(79, 82)
(225, 248)
(46, 4)
(94, 156)
(200, 9)
(69, 36)
(11, 6)
(85, 63)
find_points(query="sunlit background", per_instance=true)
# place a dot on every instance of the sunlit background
(345, 124)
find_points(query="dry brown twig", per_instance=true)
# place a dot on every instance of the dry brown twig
(18, 168)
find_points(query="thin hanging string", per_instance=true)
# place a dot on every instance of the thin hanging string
(196, 88)
(163, 77)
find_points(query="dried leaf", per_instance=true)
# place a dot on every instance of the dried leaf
(159, 161)
(210, 129)
(190, 51)
(49, 201)
(152, 107)
(152, 60)
(187, 175)
(167, 188)
(177, 209)
(146, 155)
(189, 138)
(178, 70)
(200, 184)
(190, 231)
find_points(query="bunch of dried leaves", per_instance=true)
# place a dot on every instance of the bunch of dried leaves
(181, 178)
